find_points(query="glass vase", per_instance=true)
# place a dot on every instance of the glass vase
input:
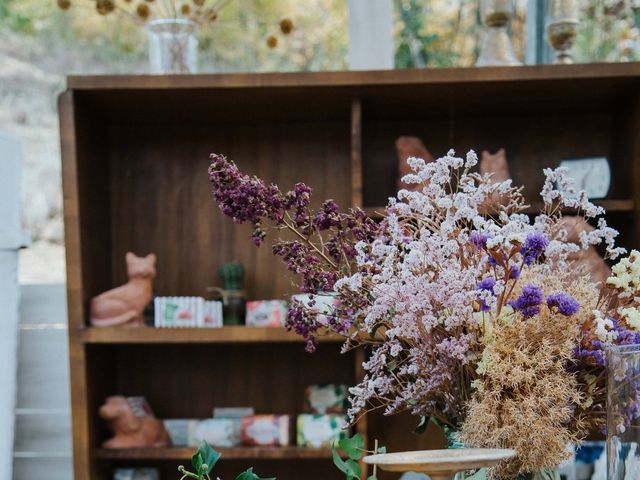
(173, 46)
(453, 441)
(623, 412)
(496, 48)
(562, 28)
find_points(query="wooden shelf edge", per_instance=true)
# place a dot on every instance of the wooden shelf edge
(180, 453)
(611, 206)
(150, 335)
(355, 78)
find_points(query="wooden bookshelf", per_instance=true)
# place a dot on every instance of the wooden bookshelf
(236, 453)
(135, 154)
(234, 335)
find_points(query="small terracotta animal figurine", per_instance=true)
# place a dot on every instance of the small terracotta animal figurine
(407, 147)
(589, 260)
(132, 428)
(495, 164)
(124, 305)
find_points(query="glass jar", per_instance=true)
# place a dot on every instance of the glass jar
(623, 412)
(173, 46)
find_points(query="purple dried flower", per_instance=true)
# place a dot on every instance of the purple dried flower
(479, 240)
(514, 274)
(565, 304)
(528, 303)
(487, 284)
(534, 247)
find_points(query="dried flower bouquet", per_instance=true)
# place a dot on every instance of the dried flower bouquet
(473, 312)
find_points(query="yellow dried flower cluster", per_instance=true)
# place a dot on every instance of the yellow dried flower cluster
(526, 398)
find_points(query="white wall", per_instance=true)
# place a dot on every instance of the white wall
(370, 34)
(10, 240)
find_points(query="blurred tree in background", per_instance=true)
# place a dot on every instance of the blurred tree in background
(446, 33)
(235, 42)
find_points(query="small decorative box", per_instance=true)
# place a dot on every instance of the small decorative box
(177, 311)
(136, 474)
(218, 432)
(211, 314)
(265, 430)
(318, 431)
(321, 399)
(266, 313)
(182, 431)
(235, 414)
(172, 312)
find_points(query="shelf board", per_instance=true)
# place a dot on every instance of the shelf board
(238, 453)
(611, 206)
(235, 334)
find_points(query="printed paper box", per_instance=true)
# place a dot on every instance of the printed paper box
(318, 431)
(218, 432)
(321, 399)
(182, 431)
(265, 430)
(266, 313)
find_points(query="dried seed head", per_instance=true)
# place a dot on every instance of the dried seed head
(272, 41)
(286, 26)
(104, 7)
(143, 11)
(64, 4)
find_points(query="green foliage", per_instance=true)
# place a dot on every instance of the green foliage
(353, 448)
(203, 462)
(14, 20)
(249, 475)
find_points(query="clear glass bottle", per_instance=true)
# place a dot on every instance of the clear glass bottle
(623, 412)
(173, 46)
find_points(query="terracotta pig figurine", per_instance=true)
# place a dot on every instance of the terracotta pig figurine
(124, 305)
(131, 430)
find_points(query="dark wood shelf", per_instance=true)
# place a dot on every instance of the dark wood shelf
(235, 334)
(611, 206)
(237, 453)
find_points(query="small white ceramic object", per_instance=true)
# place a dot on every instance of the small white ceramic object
(440, 464)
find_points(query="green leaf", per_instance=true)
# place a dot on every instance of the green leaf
(205, 455)
(350, 468)
(381, 450)
(372, 477)
(353, 446)
(249, 475)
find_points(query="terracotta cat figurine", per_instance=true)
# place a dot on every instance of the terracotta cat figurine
(132, 429)
(407, 147)
(496, 164)
(124, 305)
(589, 260)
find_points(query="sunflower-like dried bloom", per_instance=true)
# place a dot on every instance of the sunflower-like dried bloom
(272, 41)
(143, 11)
(104, 7)
(199, 3)
(286, 26)
(64, 4)
(210, 15)
(185, 9)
